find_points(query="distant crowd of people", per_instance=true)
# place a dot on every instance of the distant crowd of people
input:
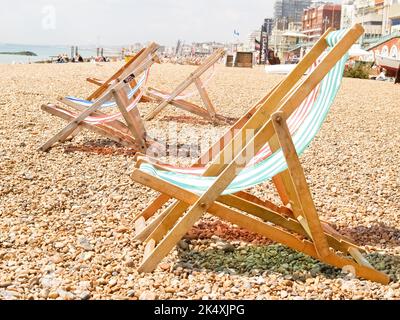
(64, 58)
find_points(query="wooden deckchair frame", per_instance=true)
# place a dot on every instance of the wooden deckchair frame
(269, 123)
(133, 133)
(208, 112)
(103, 85)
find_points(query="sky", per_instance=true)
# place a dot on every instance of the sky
(122, 22)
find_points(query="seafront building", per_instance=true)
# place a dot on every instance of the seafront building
(317, 19)
(299, 23)
(289, 11)
(291, 36)
(379, 17)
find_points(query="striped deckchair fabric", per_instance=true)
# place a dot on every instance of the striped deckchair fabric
(123, 91)
(221, 187)
(134, 95)
(131, 92)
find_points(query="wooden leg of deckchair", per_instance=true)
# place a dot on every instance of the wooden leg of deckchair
(133, 121)
(206, 99)
(265, 203)
(153, 207)
(149, 249)
(182, 104)
(135, 114)
(306, 247)
(147, 231)
(73, 135)
(192, 108)
(280, 187)
(286, 189)
(335, 240)
(102, 130)
(300, 183)
(154, 112)
(254, 225)
(66, 132)
(171, 216)
(172, 238)
(281, 181)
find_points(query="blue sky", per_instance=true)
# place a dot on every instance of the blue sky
(116, 22)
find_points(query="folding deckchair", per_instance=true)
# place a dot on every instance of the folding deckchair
(119, 95)
(219, 190)
(178, 100)
(103, 85)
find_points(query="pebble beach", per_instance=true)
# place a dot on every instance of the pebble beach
(67, 216)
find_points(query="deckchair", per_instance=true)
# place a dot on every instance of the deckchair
(103, 85)
(118, 94)
(177, 98)
(219, 190)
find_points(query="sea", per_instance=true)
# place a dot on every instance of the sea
(44, 53)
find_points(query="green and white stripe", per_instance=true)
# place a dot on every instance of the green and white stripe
(275, 164)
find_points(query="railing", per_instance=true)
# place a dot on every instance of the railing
(374, 41)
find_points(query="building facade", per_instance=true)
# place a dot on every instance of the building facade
(316, 20)
(348, 16)
(378, 17)
(287, 11)
(393, 13)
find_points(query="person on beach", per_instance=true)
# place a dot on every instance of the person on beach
(272, 58)
(382, 75)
